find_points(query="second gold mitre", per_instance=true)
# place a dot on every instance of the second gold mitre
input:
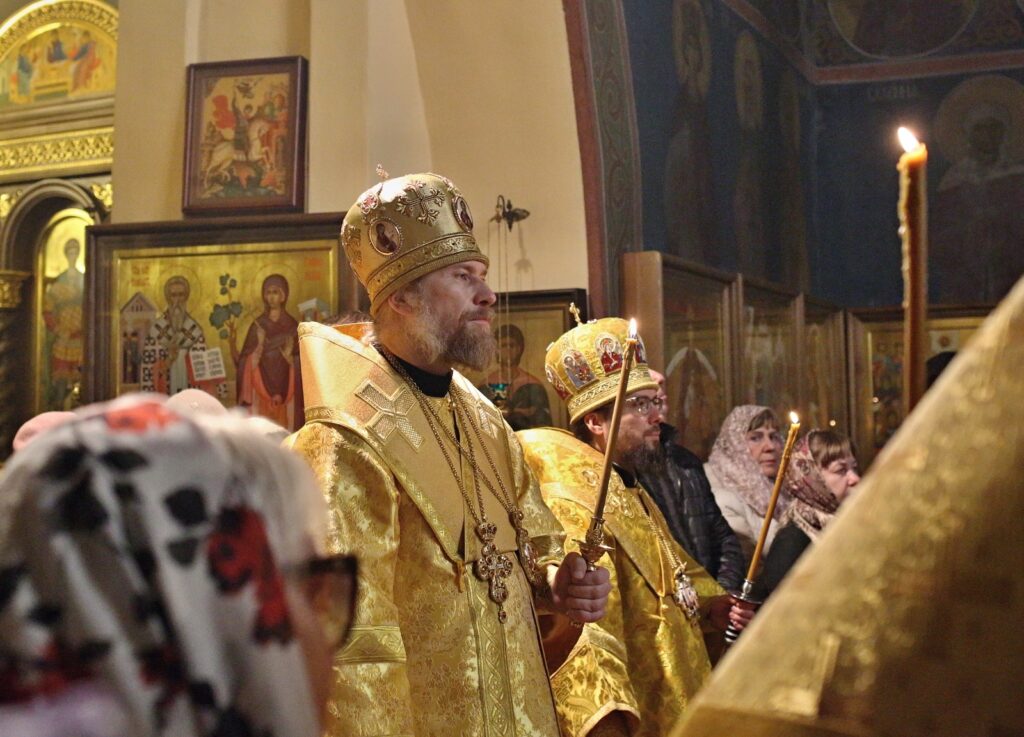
(583, 365)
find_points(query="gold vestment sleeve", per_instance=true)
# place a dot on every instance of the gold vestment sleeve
(546, 532)
(370, 695)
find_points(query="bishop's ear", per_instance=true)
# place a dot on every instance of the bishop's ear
(596, 423)
(404, 301)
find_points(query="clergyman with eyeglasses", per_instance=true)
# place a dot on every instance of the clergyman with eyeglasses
(649, 648)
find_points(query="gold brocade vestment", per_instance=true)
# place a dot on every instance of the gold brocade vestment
(645, 656)
(426, 655)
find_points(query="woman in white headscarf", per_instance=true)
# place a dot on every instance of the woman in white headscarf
(162, 575)
(742, 469)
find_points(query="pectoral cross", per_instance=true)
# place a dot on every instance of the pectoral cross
(493, 567)
(685, 595)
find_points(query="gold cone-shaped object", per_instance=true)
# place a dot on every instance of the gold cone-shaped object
(907, 618)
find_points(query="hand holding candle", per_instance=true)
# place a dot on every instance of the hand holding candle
(913, 214)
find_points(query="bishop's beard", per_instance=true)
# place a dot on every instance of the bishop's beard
(644, 459)
(463, 344)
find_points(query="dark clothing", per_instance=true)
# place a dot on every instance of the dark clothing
(683, 494)
(788, 546)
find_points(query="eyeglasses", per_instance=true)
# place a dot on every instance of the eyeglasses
(643, 405)
(330, 586)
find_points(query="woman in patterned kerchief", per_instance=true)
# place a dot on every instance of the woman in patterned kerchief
(821, 476)
(742, 467)
(160, 575)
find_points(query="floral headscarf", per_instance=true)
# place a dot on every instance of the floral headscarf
(140, 551)
(814, 505)
(737, 470)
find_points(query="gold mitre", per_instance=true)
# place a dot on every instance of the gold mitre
(404, 228)
(904, 620)
(585, 363)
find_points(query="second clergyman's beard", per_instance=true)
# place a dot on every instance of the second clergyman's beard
(644, 459)
(457, 345)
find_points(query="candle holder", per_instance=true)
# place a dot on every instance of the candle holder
(744, 595)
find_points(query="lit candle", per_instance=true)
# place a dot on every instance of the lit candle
(913, 213)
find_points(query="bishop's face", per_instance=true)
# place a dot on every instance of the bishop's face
(455, 304)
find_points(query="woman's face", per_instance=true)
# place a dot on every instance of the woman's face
(765, 446)
(841, 476)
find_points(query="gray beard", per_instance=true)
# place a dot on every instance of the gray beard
(458, 346)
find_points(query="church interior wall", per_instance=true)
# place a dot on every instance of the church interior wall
(809, 200)
(439, 85)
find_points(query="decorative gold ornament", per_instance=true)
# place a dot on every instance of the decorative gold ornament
(10, 288)
(54, 152)
(104, 194)
(392, 413)
(7, 202)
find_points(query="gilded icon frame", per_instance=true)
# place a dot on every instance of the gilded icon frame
(238, 150)
(131, 260)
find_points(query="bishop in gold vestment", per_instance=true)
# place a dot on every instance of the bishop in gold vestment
(427, 485)
(647, 657)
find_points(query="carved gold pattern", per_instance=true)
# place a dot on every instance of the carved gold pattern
(7, 202)
(10, 288)
(42, 14)
(104, 194)
(57, 150)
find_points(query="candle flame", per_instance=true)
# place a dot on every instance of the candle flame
(632, 329)
(907, 139)
(794, 418)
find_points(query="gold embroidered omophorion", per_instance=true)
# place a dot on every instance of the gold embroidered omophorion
(646, 657)
(427, 655)
(492, 566)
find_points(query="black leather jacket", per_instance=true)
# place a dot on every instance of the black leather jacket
(683, 494)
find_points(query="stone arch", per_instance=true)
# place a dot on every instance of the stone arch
(29, 212)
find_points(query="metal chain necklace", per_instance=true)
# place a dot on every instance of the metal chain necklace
(683, 594)
(492, 567)
(515, 515)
